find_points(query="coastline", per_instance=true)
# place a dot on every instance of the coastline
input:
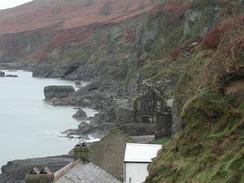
(92, 139)
(114, 110)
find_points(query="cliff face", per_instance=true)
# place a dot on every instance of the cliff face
(32, 31)
(205, 67)
(67, 14)
(190, 49)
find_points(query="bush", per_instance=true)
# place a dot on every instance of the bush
(175, 53)
(213, 39)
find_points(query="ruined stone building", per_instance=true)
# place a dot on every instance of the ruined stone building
(150, 107)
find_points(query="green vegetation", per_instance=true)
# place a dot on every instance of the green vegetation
(160, 141)
(241, 105)
(209, 149)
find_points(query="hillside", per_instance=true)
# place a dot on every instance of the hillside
(67, 14)
(191, 50)
(32, 31)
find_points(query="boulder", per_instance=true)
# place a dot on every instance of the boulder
(2, 74)
(94, 99)
(83, 72)
(12, 76)
(95, 130)
(54, 71)
(81, 114)
(77, 83)
(61, 101)
(93, 86)
(85, 130)
(59, 92)
(43, 71)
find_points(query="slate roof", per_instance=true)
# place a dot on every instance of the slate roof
(87, 173)
(143, 153)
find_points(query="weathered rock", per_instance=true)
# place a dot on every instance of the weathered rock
(43, 71)
(12, 76)
(84, 72)
(61, 101)
(78, 83)
(176, 119)
(85, 129)
(53, 71)
(95, 85)
(58, 92)
(191, 18)
(2, 74)
(73, 71)
(81, 114)
(94, 99)
(63, 71)
(14, 66)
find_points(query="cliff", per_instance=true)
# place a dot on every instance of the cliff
(190, 49)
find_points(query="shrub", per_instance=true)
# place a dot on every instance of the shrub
(241, 105)
(213, 38)
(175, 53)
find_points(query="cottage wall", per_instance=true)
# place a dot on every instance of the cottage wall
(139, 176)
(151, 108)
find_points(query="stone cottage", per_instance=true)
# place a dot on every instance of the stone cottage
(150, 107)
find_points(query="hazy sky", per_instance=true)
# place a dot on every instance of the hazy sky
(4, 4)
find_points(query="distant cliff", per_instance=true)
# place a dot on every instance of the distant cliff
(28, 31)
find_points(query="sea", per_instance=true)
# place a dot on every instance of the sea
(29, 126)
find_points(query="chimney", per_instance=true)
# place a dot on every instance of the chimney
(81, 152)
(39, 176)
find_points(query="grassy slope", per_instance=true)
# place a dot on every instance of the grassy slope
(210, 148)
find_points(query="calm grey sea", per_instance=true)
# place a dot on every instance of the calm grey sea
(29, 127)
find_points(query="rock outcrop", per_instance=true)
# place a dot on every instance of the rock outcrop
(80, 114)
(2, 74)
(58, 92)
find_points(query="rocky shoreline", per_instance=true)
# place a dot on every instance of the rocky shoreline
(114, 110)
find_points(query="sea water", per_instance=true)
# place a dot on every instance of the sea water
(29, 126)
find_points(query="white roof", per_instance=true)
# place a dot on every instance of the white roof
(141, 152)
